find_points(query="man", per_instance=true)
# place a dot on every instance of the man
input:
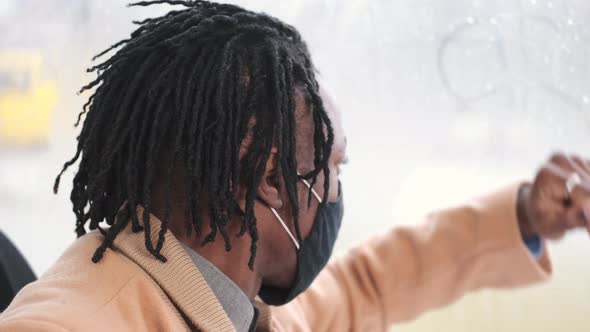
(213, 155)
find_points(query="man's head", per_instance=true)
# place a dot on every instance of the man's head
(209, 113)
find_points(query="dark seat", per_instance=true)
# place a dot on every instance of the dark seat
(15, 272)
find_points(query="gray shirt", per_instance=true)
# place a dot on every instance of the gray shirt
(236, 304)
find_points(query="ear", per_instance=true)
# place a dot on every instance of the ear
(268, 190)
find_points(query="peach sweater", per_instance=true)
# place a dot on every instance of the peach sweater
(391, 278)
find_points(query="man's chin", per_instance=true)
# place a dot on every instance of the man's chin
(282, 281)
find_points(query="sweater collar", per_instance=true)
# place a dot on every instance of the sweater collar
(179, 278)
(234, 301)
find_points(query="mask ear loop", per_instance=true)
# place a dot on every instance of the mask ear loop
(281, 219)
(285, 227)
(312, 190)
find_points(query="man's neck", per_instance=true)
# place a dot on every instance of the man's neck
(233, 263)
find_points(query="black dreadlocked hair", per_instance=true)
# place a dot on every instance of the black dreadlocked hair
(194, 84)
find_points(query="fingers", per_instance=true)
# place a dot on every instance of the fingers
(578, 214)
(581, 166)
(562, 166)
(559, 165)
(563, 210)
(551, 181)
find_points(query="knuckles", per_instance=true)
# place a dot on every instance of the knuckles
(558, 158)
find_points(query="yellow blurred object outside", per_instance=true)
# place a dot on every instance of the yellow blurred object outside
(26, 99)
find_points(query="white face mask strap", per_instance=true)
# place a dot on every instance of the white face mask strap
(281, 219)
(312, 190)
(285, 227)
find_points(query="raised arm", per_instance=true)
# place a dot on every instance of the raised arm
(401, 274)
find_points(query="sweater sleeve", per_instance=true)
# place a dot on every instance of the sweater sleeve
(407, 271)
(29, 325)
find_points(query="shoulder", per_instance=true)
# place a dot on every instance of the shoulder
(75, 288)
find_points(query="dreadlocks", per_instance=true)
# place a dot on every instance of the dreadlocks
(191, 88)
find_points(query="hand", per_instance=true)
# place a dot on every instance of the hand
(546, 209)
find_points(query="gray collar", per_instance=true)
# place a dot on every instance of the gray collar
(236, 304)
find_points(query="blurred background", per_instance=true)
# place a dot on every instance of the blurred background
(441, 100)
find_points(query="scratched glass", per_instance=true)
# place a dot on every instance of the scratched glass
(441, 100)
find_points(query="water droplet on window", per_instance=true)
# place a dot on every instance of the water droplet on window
(470, 20)
(586, 100)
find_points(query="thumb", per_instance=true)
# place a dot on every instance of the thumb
(584, 215)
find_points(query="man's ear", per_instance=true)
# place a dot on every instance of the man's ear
(268, 190)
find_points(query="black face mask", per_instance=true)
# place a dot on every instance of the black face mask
(314, 252)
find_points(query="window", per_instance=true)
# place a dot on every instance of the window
(441, 100)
